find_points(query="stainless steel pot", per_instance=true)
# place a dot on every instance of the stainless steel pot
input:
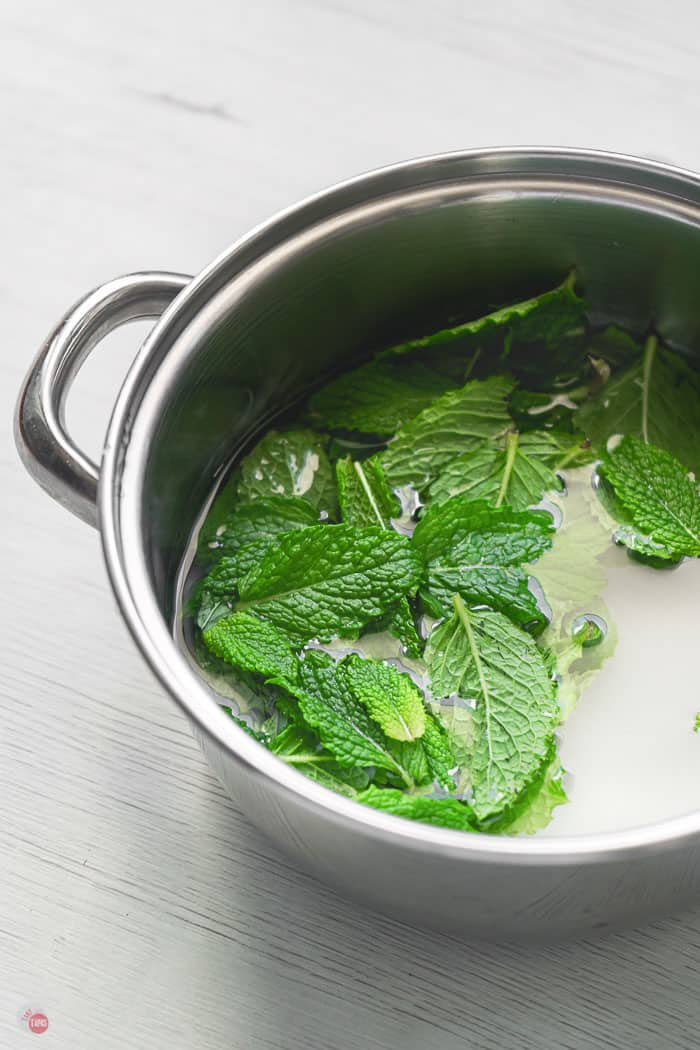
(375, 259)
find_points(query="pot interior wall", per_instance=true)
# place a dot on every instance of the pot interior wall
(395, 268)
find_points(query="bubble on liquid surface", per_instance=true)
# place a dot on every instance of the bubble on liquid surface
(589, 630)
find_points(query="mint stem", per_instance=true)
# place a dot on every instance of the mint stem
(461, 610)
(511, 449)
(472, 361)
(368, 493)
(649, 351)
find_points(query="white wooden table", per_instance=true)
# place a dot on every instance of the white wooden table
(138, 909)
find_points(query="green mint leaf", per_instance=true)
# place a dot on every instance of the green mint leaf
(290, 464)
(400, 622)
(297, 746)
(696, 723)
(484, 658)
(477, 551)
(640, 547)
(442, 812)
(545, 317)
(534, 809)
(556, 449)
(377, 397)
(497, 475)
(392, 699)
(438, 752)
(265, 518)
(250, 644)
(402, 625)
(214, 595)
(329, 579)
(364, 493)
(411, 758)
(655, 489)
(222, 507)
(366, 500)
(457, 422)
(329, 706)
(657, 400)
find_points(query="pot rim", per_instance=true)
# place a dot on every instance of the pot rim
(138, 605)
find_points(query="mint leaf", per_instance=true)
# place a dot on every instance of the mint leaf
(364, 493)
(290, 464)
(366, 500)
(250, 644)
(377, 397)
(534, 809)
(457, 422)
(483, 657)
(477, 551)
(657, 400)
(696, 723)
(214, 595)
(438, 752)
(329, 706)
(392, 699)
(556, 449)
(497, 475)
(329, 579)
(298, 746)
(545, 317)
(402, 625)
(442, 812)
(655, 489)
(265, 518)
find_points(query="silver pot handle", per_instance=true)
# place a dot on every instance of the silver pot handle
(47, 451)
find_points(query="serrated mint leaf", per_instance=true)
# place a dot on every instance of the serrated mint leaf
(654, 488)
(364, 494)
(366, 500)
(297, 746)
(441, 812)
(329, 579)
(545, 317)
(657, 399)
(438, 752)
(484, 658)
(250, 644)
(499, 475)
(477, 551)
(377, 397)
(391, 698)
(264, 518)
(402, 625)
(290, 464)
(457, 422)
(556, 449)
(534, 809)
(222, 507)
(214, 595)
(329, 706)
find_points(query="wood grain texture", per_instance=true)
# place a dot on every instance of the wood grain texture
(138, 908)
